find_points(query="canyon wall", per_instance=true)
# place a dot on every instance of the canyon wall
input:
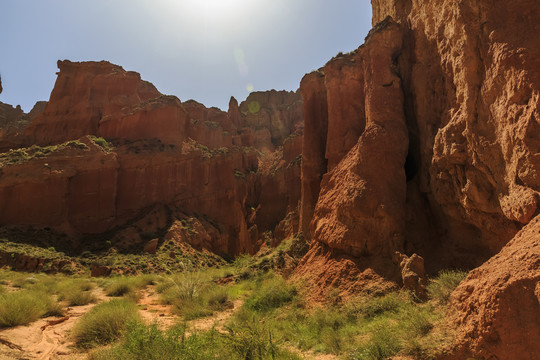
(158, 151)
(471, 78)
(424, 140)
(13, 121)
(357, 145)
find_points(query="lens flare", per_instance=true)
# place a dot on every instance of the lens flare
(240, 59)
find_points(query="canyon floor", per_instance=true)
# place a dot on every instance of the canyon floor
(245, 309)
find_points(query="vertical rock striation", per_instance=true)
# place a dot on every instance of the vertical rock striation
(196, 161)
(359, 147)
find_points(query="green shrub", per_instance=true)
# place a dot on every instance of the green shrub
(271, 294)
(76, 296)
(23, 307)
(417, 322)
(382, 345)
(440, 288)
(149, 343)
(217, 298)
(120, 287)
(251, 338)
(193, 295)
(24, 281)
(379, 305)
(101, 142)
(104, 323)
(76, 292)
(145, 280)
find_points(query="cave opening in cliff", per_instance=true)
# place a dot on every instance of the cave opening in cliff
(411, 169)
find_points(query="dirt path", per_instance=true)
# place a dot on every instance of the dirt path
(217, 320)
(46, 338)
(49, 338)
(152, 311)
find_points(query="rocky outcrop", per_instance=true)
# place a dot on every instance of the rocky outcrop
(35, 186)
(424, 140)
(498, 305)
(360, 208)
(11, 118)
(22, 262)
(211, 127)
(271, 116)
(199, 161)
(314, 163)
(12, 123)
(160, 118)
(471, 82)
(413, 273)
(81, 188)
(452, 173)
(84, 94)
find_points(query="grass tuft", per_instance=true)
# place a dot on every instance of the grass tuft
(442, 286)
(25, 306)
(76, 292)
(120, 287)
(104, 323)
(273, 293)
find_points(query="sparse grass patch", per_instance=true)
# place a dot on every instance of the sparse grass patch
(149, 342)
(101, 142)
(24, 306)
(76, 292)
(104, 323)
(19, 156)
(194, 295)
(271, 293)
(380, 305)
(124, 285)
(440, 288)
(383, 344)
(120, 287)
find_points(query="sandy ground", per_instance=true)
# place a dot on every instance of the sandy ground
(46, 338)
(49, 338)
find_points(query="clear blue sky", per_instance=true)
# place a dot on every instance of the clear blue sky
(205, 50)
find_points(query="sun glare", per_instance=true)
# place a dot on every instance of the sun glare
(217, 9)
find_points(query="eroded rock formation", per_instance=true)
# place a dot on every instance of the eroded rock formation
(471, 79)
(423, 140)
(360, 208)
(13, 121)
(452, 89)
(499, 302)
(200, 161)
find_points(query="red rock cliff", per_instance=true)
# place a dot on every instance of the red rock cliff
(359, 148)
(471, 79)
(425, 140)
(85, 93)
(161, 153)
(471, 74)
